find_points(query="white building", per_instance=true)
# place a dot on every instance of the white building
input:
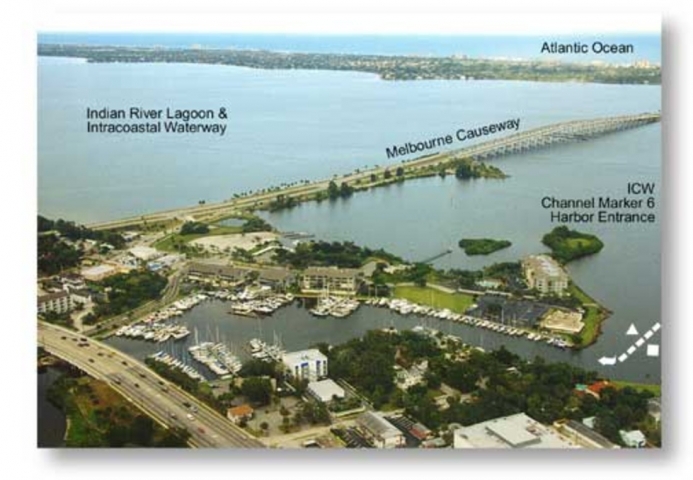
(98, 272)
(379, 431)
(308, 365)
(513, 431)
(144, 253)
(338, 281)
(58, 302)
(544, 274)
(325, 390)
(633, 439)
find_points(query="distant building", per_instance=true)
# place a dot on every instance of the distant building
(325, 390)
(654, 408)
(240, 413)
(584, 435)
(99, 272)
(379, 431)
(308, 365)
(512, 431)
(339, 281)
(544, 274)
(633, 439)
(58, 302)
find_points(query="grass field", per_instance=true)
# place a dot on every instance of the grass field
(593, 318)
(457, 302)
(168, 243)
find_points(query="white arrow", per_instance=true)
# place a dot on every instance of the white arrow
(632, 330)
(607, 360)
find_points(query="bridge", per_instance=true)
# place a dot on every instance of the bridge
(557, 133)
(160, 399)
(564, 132)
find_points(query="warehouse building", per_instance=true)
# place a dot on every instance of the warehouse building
(325, 390)
(379, 431)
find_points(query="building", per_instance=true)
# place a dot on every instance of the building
(379, 431)
(654, 408)
(99, 272)
(144, 253)
(633, 439)
(277, 278)
(308, 365)
(325, 390)
(218, 273)
(583, 435)
(564, 321)
(512, 431)
(58, 302)
(338, 281)
(545, 275)
(241, 413)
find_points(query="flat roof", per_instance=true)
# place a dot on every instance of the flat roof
(377, 424)
(312, 354)
(545, 265)
(512, 431)
(326, 389)
(98, 269)
(332, 272)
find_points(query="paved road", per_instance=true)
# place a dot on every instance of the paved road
(157, 397)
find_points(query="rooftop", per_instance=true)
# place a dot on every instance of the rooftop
(240, 411)
(310, 355)
(512, 431)
(378, 425)
(545, 265)
(332, 272)
(98, 270)
(326, 389)
(590, 434)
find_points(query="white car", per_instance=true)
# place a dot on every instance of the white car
(190, 417)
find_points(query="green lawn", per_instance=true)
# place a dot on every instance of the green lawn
(457, 302)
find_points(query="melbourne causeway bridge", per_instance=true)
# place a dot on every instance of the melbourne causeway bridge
(557, 133)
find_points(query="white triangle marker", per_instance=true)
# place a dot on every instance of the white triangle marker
(632, 330)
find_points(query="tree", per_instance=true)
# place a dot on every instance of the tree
(332, 191)
(399, 172)
(387, 174)
(258, 390)
(464, 171)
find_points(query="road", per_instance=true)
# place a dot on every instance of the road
(157, 397)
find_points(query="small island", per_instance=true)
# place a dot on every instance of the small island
(567, 245)
(482, 246)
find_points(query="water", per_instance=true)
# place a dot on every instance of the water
(51, 420)
(287, 125)
(647, 47)
(291, 125)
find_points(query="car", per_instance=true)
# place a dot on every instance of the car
(137, 385)
(193, 409)
(100, 354)
(160, 382)
(172, 415)
(190, 417)
(201, 430)
(124, 363)
(164, 389)
(186, 404)
(63, 337)
(91, 360)
(142, 375)
(116, 380)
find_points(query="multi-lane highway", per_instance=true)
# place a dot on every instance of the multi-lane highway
(160, 399)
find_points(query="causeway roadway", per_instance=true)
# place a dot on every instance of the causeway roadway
(166, 403)
(576, 130)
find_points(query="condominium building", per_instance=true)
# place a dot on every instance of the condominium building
(308, 364)
(545, 275)
(338, 281)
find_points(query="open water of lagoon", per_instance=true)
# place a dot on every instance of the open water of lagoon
(291, 125)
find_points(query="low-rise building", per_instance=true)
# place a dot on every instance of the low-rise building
(219, 273)
(277, 278)
(241, 413)
(545, 274)
(58, 302)
(337, 281)
(308, 364)
(99, 272)
(379, 431)
(633, 439)
(144, 253)
(325, 390)
(512, 431)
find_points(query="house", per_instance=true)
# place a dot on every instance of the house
(241, 413)
(308, 364)
(596, 388)
(544, 274)
(337, 281)
(379, 431)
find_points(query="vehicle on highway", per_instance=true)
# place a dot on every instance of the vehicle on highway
(142, 375)
(172, 415)
(125, 363)
(186, 404)
(91, 360)
(190, 417)
(201, 430)
(63, 337)
(193, 409)
(137, 385)
(116, 380)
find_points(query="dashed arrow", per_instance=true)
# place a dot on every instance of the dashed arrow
(608, 360)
